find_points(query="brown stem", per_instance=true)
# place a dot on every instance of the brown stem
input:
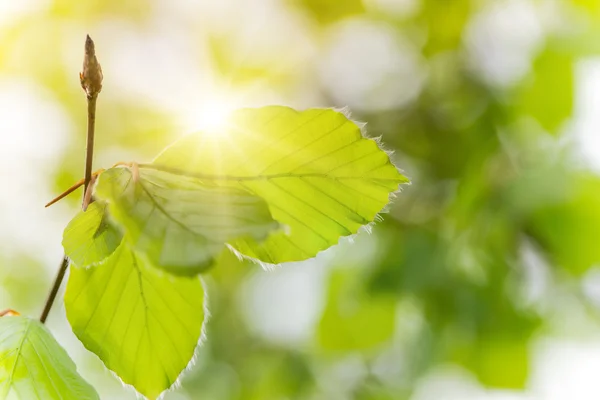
(52, 296)
(89, 155)
(91, 82)
(87, 196)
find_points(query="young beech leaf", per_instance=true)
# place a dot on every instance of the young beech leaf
(33, 366)
(179, 222)
(319, 175)
(90, 237)
(142, 323)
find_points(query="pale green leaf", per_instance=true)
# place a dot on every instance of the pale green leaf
(33, 366)
(90, 237)
(180, 222)
(320, 176)
(142, 323)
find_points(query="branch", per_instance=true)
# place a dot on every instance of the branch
(73, 188)
(91, 82)
(62, 269)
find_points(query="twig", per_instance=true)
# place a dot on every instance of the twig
(9, 313)
(73, 188)
(62, 269)
(87, 196)
(91, 82)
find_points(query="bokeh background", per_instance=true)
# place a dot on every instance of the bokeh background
(483, 280)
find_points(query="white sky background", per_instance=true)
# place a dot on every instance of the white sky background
(34, 128)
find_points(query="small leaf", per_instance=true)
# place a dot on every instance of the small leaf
(34, 366)
(320, 176)
(143, 324)
(90, 237)
(180, 222)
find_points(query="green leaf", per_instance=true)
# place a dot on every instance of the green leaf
(180, 222)
(499, 362)
(354, 319)
(143, 324)
(567, 228)
(320, 176)
(90, 237)
(548, 96)
(34, 366)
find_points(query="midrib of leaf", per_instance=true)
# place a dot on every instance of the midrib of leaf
(267, 177)
(19, 349)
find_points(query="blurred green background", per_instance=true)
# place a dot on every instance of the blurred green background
(482, 281)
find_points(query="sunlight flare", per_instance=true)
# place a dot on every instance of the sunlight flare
(210, 117)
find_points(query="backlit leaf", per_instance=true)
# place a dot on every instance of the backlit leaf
(33, 366)
(320, 176)
(179, 222)
(90, 237)
(143, 324)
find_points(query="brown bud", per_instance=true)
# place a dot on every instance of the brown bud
(91, 76)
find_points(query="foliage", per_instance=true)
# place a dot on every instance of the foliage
(492, 249)
(34, 366)
(134, 297)
(321, 178)
(143, 324)
(180, 223)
